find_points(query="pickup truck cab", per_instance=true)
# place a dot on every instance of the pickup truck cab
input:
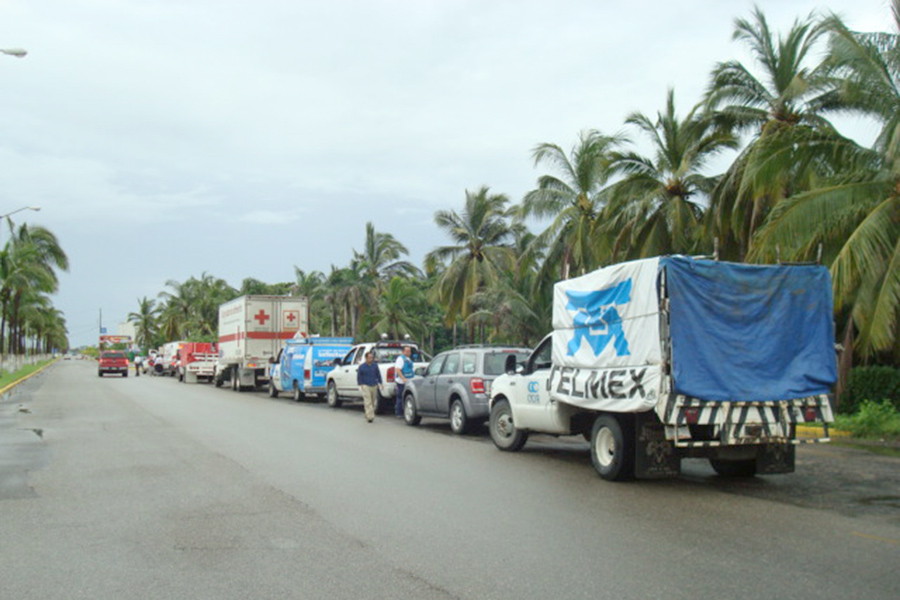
(302, 366)
(113, 361)
(341, 383)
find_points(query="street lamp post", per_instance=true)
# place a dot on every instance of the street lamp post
(17, 52)
(18, 210)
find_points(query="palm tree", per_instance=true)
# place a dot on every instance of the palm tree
(400, 306)
(54, 332)
(175, 314)
(573, 199)
(211, 292)
(480, 255)
(345, 293)
(657, 206)
(853, 208)
(145, 322)
(774, 107)
(27, 264)
(380, 259)
(34, 318)
(312, 286)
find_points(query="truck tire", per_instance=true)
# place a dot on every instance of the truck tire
(503, 430)
(297, 394)
(459, 423)
(734, 468)
(236, 380)
(331, 396)
(273, 391)
(612, 449)
(410, 414)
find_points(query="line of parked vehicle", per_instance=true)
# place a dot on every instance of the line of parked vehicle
(652, 361)
(454, 385)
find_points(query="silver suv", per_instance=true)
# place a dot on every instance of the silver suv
(456, 385)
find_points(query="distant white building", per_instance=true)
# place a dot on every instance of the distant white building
(128, 329)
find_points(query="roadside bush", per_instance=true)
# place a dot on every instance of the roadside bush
(871, 383)
(872, 420)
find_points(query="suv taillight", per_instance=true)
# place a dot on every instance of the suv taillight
(476, 385)
(390, 375)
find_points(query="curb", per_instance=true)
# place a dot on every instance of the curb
(10, 386)
(819, 431)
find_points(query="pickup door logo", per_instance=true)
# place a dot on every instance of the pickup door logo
(533, 395)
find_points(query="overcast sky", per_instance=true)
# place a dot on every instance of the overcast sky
(164, 139)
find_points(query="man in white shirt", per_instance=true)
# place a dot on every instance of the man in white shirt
(403, 372)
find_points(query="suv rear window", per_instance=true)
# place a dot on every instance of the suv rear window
(495, 362)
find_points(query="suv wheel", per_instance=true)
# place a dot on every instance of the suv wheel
(458, 420)
(410, 415)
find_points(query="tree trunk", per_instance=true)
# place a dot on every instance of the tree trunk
(845, 364)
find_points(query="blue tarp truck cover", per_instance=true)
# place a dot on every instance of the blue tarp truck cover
(750, 332)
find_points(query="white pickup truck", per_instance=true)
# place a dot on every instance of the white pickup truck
(667, 358)
(341, 381)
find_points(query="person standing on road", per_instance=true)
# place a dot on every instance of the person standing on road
(137, 365)
(403, 372)
(368, 377)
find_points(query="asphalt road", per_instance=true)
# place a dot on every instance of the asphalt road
(143, 487)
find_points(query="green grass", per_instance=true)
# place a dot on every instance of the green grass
(8, 378)
(873, 421)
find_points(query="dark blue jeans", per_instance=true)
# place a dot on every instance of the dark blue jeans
(398, 403)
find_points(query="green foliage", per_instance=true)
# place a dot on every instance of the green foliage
(873, 420)
(871, 383)
(797, 188)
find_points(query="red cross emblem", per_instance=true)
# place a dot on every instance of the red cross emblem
(262, 317)
(291, 320)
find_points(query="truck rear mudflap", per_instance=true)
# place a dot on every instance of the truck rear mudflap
(693, 423)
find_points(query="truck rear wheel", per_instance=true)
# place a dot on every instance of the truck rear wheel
(503, 430)
(612, 449)
(734, 468)
(332, 396)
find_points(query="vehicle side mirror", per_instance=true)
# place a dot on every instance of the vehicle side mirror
(420, 371)
(337, 362)
(511, 366)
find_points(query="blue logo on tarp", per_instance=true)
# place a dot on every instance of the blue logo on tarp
(597, 320)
